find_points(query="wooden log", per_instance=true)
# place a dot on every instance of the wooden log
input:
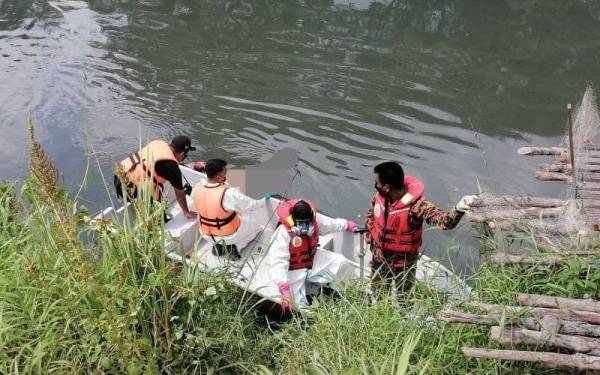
(553, 176)
(481, 216)
(539, 300)
(588, 185)
(534, 151)
(560, 168)
(533, 226)
(583, 316)
(587, 152)
(577, 344)
(584, 167)
(546, 260)
(507, 200)
(453, 316)
(591, 177)
(566, 168)
(579, 361)
(567, 327)
(589, 194)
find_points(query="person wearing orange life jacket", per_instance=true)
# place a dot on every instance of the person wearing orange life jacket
(152, 166)
(395, 224)
(293, 249)
(222, 208)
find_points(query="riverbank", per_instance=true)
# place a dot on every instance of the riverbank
(83, 297)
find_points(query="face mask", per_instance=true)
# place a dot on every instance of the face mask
(303, 228)
(380, 190)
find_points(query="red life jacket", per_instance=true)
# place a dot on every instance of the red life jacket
(302, 247)
(391, 230)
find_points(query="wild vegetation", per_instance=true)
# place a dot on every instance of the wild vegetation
(98, 297)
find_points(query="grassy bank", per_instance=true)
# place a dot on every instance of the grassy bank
(77, 299)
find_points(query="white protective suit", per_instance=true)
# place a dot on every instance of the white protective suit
(278, 260)
(235, 200)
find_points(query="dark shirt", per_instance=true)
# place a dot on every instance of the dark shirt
(169, 170)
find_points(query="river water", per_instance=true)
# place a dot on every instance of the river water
(448, 88)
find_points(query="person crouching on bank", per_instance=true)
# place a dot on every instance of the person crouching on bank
(294, 247)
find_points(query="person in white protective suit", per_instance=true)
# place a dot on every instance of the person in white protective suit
(224, 211)
(293, 249)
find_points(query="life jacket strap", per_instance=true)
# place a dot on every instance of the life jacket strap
(217, 222)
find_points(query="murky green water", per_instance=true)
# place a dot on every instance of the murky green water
(449, 88)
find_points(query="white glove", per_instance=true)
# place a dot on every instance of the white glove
(465, 203)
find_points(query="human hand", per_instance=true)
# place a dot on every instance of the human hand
(199, 166)
(466, 202)
(351, 226)
(286, 295)
(190, 215)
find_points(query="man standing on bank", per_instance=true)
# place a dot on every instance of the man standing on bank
(152, 166)
(395, 225)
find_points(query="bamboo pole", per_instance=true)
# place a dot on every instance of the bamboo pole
(570, 131)
(508, 200)
(567, 327)
(580, 361)
(539, 300)
(546, 260)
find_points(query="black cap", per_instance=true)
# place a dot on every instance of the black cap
(182, 143)
(302, 211)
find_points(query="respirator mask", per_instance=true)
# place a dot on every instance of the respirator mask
(303, 227)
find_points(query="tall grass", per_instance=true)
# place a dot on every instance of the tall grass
(115, 304)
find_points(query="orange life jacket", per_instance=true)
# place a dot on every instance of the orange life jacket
(302, 246)
(214, 219)
(140, 166)
(391, 229)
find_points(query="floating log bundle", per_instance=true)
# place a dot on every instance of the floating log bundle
(565, 324)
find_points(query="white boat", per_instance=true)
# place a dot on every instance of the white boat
(251, 273)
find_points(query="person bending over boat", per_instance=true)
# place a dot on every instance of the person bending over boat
(294, 246)
(152, 166)
(395, 225)
(222, 210)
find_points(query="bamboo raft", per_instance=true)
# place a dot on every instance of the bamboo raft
(570, 326)
(577, 165)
